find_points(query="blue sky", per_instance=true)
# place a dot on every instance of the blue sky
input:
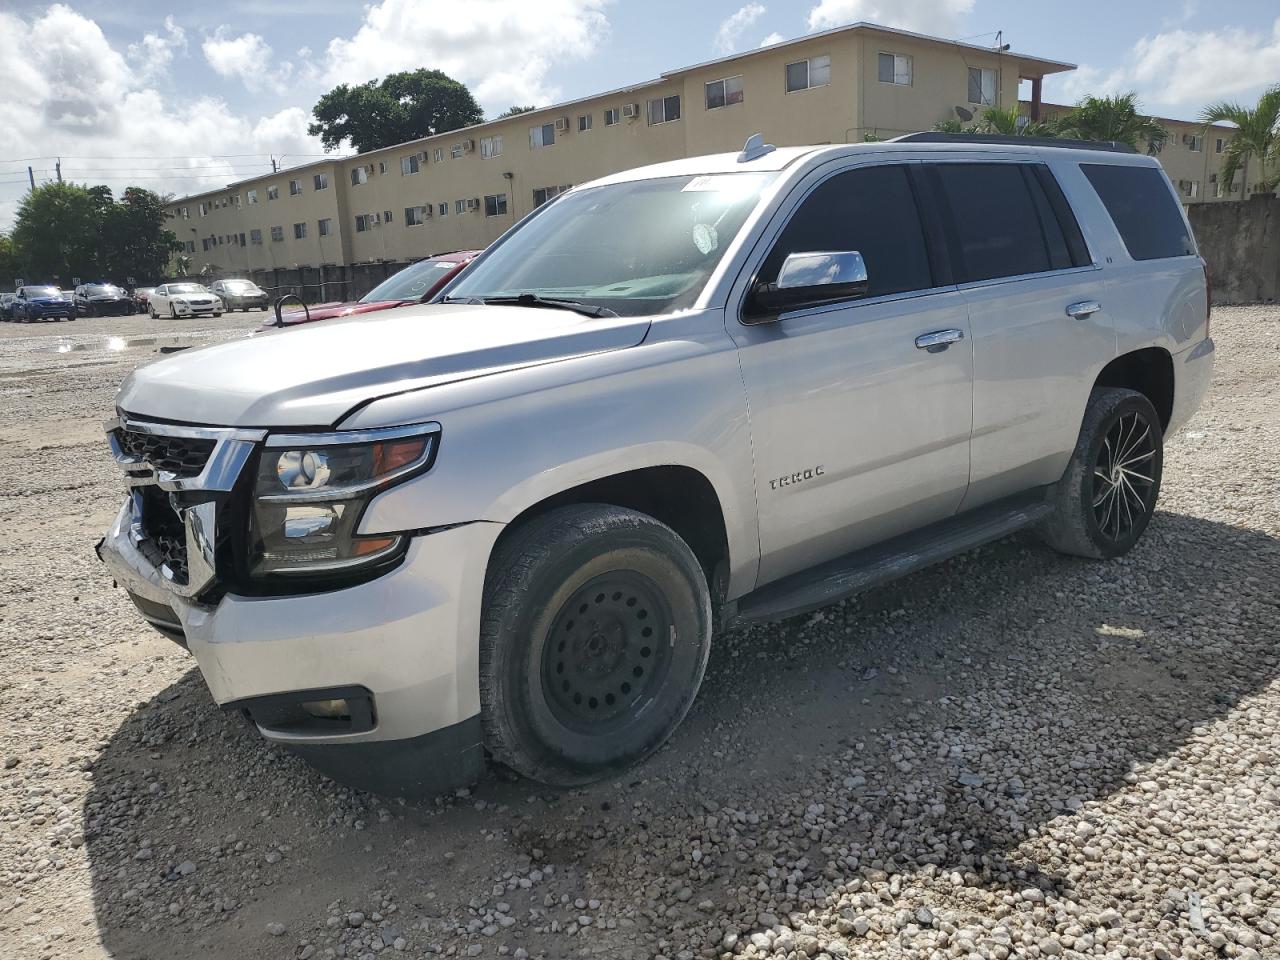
(184, 98)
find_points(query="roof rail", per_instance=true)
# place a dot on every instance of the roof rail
(1108, 146)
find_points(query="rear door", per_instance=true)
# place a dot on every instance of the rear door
(858, 433)
(1038, 315)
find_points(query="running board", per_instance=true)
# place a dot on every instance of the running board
(859, 571)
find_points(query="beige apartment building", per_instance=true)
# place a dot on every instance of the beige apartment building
(462, 189)
(1192, 156)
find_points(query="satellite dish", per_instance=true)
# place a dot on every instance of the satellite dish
(963, 114)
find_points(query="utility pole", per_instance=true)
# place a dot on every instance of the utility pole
(32, 177)
(58, 168)
(273, 165)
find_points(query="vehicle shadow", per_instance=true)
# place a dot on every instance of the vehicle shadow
(927, 730)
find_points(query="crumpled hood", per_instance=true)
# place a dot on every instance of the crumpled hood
(312, 375)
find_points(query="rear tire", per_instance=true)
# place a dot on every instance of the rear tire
(594, 638)
(1106, 498)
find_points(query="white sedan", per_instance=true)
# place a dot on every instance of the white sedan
(183, 300)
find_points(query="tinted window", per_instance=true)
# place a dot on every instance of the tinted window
(872, 211)
(997, 229)
(1143, 210)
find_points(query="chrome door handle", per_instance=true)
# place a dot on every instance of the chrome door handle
(938, 340)
(1085, 308)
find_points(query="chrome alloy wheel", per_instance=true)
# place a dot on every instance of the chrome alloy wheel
(1123, 477)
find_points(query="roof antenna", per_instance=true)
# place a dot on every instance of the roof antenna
(755, 148)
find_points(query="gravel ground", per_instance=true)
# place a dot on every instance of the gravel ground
(1012, 755)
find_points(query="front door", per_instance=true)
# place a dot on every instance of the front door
(858, 433)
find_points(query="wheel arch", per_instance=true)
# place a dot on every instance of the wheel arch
(1148, 371)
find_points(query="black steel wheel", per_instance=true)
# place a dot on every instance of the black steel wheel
(594, 637)
(1108, 494)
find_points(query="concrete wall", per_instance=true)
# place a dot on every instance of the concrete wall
(1241, 242)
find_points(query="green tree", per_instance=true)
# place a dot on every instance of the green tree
(514, 111)
(399, 107)
(1258, 137)
(135, 242)
(1010, 122)
(10, 265)
(57, 232)
(1112, 118)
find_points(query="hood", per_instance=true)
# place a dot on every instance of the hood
(312, 376)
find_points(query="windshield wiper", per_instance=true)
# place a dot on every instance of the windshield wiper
(534, 300)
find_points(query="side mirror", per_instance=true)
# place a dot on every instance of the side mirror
(809, 280)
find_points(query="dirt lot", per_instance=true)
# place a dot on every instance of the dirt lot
(1012, 755)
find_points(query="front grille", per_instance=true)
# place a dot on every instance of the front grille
(181, 456)
(166, 541)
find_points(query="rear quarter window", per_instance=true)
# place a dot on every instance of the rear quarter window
(1143, 209)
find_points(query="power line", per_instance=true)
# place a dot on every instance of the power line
(191, 156)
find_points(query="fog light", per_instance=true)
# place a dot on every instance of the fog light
(328, 709)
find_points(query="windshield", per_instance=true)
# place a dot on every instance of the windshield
(239, 286)
(186, 288)
(97, 289)
(636, 248)
(43, 292)
(411, 283)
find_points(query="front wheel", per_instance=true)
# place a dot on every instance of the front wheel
(594, 638)
(1106, 498)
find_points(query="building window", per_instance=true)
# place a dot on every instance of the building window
(359, 175)
(543, 136)
(444, 209)
(186, 213)
(191, 245)
(325, 227)
(542, 194)
(253, 196)
(1196, 142)
(584, 122)
(664, 110)
(321, 181)
(255, 237)
(386, 216)
(490, 147)
(277, 234)
(363, 222)
(204, 208)
(724, 93)
(410, 164)
(982, 86)
(273, 193)
(1219, 145)
(1192, 189)
(1217, 186)
(895, 68)
(496, 205)
(299, 231)
(241, 240)
(459, 206)
(438, 156)
(204, 244)
(611, 117)
(455, 151)
(803, 74)
(415, 216)
(295, 188)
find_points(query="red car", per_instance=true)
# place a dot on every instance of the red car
(416, 283)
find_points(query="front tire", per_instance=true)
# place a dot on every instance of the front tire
(593, 642)
(1105, 499)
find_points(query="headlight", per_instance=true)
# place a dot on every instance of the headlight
(311, 491)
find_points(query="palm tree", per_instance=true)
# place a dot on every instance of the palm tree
(1113, 118)
(1010, 122)
(1258, 136)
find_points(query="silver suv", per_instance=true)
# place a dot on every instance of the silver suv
(715, 391)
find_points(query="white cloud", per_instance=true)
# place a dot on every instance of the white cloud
(73, 94)
(771, 39)
(1180, 71)
(735, 25)
(934, 17)
(502, 49)
(247, 58)
(155, 51)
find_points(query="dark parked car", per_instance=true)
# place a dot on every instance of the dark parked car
(41, 302)
(142, 298)
(102, 300)
(240, 294)
(6, 305)
(416, 283)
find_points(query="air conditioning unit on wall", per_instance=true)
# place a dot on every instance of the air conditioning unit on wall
(468, 146)
(473, 203)
(562, 125)
(631, 110)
